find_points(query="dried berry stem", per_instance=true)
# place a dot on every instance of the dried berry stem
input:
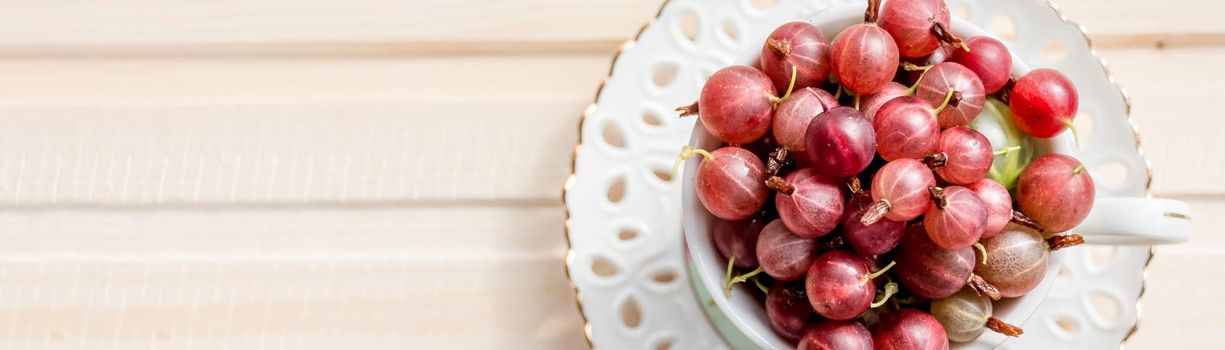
(873, 11)
(936, 160)
(948, 99)
(1024, 220)
(778, 158)
(1005, 93)
(982, 287)
(876, 212)
(948, 37)
(1063, 241)
(688, 110)
(1079, 168)
(779, 47)
(937, 194)
(855, 186)
(1004, 328)
(780, 185)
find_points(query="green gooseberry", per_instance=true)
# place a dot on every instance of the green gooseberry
(995, 122)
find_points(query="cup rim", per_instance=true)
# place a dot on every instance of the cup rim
(752, 323)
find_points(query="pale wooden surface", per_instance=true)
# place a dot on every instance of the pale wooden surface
(379, 174)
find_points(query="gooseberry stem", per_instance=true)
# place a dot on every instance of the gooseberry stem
(983, 250)
(880, 272)
(838, 94)
(779, 184)
(937, 194)
(1004, 328)
(790, 86)
(763, 288)
(982, 287)
(1006, 150)
(1024, 220)
(776, 161)
(1063, 241)
(727, 289)
(728, 277)
(948, 37)
(1068, 123)
(910, 67)
(855, 186)
(948, 98)
(876, 212)
(873, 11)
(688, 110)
(936, 160)
(890, 290)
(689, 152)
(1078, 169)
(857, 102)
(779, 47)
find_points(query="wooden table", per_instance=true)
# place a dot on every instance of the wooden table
(385, 174)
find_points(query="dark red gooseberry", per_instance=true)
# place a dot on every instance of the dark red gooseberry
(927, 270)
(738, 239)
(788, 310)
(840, 142)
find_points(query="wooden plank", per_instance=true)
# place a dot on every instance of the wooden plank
(516, 152)
(317, 304)
(1176, 310)
(276, 277)
(131, 27)
(514, 117)
(1174, 102)
(466, 81)
(31, 27)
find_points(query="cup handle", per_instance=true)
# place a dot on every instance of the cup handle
(1136, 221)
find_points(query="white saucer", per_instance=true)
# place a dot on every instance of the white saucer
(626, 256)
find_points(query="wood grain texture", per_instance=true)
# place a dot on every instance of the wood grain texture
(384, 174)
(316, 27)
(285, 277)
(343, 129)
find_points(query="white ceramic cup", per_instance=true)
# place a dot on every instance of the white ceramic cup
(741, 319)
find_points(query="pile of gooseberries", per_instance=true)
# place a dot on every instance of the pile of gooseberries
(873, 189)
